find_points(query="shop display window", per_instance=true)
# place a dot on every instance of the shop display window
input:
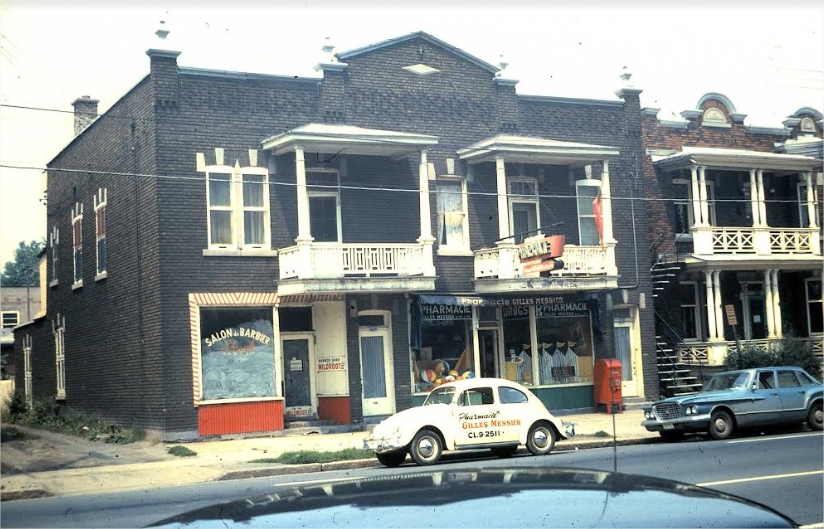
(564, 349)
(237, 353)
(517, 365)
(446, 352)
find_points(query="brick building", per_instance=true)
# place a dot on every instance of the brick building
(230, 252)
(735, 222)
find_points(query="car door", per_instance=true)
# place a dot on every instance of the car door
(764, 404)
(792, 396)
(478, 418)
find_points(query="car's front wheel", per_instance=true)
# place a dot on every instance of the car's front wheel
(541, 439)
(391, 459)
(721, 425)
(815, 419)
(426, 447)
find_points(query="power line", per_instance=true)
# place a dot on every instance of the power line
(322, 187)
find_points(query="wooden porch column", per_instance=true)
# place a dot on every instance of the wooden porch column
(718, 309)
(696, 197)
(712, 334)
(808, 180)
(503, 203)
(304, 226)
(776, 299)
(606, 219)
(768, 302)
(762, 205)
(754, 199)
(702, 189)
(426, 240)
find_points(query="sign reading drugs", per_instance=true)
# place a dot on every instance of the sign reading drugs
(539, 254)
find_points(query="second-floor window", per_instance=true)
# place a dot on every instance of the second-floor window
(586, 191)
(238, 204)
(524, 216)
(452, 221)
(77, 243)
(11, 319)
(100, 202)
(324, 205)
(54, 241)
(803, 212)
(682, 195)
(690, 311)
(59, 331)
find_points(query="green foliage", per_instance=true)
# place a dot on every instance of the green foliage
(10, 433)
(305, 457)
(17, 405)
(601, 433)
(181, 451)
(789, 351)
(48, 415)
(25, 269)
(4, 361)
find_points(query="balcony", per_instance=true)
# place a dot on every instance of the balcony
(585, 267)
(756, 242)
(714, 353)
(338, 267)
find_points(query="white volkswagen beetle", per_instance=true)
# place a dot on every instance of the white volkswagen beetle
(468, 415)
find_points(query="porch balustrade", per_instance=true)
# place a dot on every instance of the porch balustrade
(714, 353)
(503, 262)
(334, 260)
(712, 240)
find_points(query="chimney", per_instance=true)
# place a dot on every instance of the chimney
(85, 111)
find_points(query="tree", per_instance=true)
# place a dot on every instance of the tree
(25, 269)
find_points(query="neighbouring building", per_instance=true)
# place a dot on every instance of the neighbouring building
(735, 231)
(232, 252)
(18, 305)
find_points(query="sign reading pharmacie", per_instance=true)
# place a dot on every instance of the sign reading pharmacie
(459, 307)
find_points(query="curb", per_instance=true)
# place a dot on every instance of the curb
(27, 494)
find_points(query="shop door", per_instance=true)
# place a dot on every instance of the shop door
(627, 352)
(376, 371)
(488, 341)
(297, 377)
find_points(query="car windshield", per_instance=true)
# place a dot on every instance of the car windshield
(727, 381)
(440, 396)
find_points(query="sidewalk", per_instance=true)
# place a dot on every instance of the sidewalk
(233, 459)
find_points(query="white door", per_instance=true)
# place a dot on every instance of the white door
(627, 351)
(376, 364)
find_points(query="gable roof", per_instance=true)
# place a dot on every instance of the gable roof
(418, 35)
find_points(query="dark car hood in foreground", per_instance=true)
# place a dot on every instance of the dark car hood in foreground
(509, 497)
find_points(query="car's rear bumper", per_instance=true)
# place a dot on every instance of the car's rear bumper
(680, 424)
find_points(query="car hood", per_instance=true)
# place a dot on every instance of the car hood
(709, 396)
(473, 498)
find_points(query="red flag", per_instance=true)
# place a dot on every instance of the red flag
(599, 221)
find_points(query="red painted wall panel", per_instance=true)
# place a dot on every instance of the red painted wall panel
(334, 409)
(239, 417)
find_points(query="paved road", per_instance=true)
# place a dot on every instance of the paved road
(783, 471)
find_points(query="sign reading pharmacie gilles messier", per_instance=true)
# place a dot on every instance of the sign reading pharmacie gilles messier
(540, 254)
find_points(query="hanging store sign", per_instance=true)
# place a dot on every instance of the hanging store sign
(445, 312)
(540, 254)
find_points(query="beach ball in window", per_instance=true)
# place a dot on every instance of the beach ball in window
(439, 367)
(428, 375)
(468, 374)
(454, 373)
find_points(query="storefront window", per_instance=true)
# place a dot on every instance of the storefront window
(446, 347)
(237, 353)
(564, 343)
(517, 353)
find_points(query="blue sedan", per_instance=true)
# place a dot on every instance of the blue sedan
(738, 399)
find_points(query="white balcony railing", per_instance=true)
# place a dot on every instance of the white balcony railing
(336, 260)
(503, 262)
(713, 240)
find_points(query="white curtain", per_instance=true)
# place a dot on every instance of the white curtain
(450, 214)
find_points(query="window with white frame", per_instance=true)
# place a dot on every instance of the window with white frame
(59, 330)
(11, 319)
(77, 243)
(524, 215)
(54, 241)
(453, 229)
(100, 202)
(690, 310)
(815, 318)
(803, 212)
(27, 343)
(238, 205)
(586, 191)
(324, 205)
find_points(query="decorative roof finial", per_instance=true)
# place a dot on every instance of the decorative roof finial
(162, 30)
(328, 48)
(625, 76)
(502, 64)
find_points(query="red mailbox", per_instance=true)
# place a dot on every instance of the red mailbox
(608, 386)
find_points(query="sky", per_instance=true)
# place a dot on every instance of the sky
(767, 57)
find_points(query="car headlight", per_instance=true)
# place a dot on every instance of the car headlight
(691, 410)
(648, 414)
